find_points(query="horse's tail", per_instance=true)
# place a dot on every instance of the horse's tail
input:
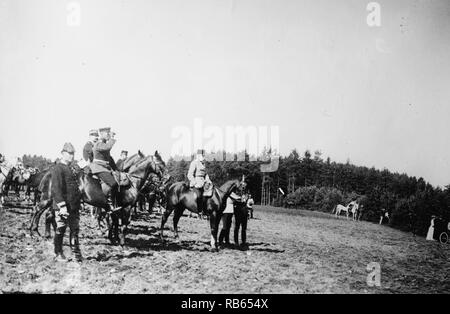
(45, 188)
(334, 209)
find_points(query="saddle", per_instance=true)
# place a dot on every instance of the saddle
(207, 189)
(121, 177)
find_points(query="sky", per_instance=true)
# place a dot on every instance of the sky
(376, 95)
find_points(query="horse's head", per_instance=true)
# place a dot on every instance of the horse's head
(150, 164)
(132, 160)
(160, 168)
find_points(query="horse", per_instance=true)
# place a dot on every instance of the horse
(16, 179)
(180, 196)
(92, 194)
(153, 192)
(33, 182)
(339, 208)
(126, 165)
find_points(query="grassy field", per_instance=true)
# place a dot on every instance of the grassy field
(290, 251)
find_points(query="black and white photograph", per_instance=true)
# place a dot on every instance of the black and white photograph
(224, 151)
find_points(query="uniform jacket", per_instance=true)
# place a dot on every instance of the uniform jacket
(65, 189)
(229, 209)
(119, 164)
(197, 174)
(103, 161)
(88, 153)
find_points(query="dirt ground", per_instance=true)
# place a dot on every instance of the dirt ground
(290, 251)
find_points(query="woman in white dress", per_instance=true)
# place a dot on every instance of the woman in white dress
(430, 233)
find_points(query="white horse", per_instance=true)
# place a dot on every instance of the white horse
(341, 208)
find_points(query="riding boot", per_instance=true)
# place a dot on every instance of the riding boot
(58, 243)
(75, 246)
(112, 199)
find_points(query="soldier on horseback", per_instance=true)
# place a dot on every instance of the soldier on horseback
(123, 156)
(88, 153)
(199, 179)
(67, 199)
(103, 165)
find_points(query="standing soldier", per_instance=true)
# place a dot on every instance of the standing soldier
(102, 163)
(197, 177)
(67, 197)
(123, 156)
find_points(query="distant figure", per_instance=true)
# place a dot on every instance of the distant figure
(250, 203)
(430, 234)
(360, 211)
(384, 213)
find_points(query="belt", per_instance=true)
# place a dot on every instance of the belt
(101, 161)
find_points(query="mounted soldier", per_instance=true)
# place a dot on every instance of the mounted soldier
(103, 165)
(199, 179)
(123, 156)
(67, 203)
(88, 153)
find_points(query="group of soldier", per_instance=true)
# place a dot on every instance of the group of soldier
(97, 160)
(65, 190)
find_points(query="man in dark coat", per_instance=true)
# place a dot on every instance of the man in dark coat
(88, 154)
(67, 202)
(123, 156)
(103, 165)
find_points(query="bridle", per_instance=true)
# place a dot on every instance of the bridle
(148, 178)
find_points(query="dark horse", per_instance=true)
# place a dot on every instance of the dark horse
(181, 196)
(32, 184)
(92, 194)
(16, 179)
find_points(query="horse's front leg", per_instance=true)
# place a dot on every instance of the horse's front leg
(124, 221)
(164, 218)
(176, 218)
(214, 221)
(49, 218)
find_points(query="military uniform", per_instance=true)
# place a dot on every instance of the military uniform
(66, 195)
(101, 164)
(88, 153)
(197, 174)
(120, 162)
(197, 177)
